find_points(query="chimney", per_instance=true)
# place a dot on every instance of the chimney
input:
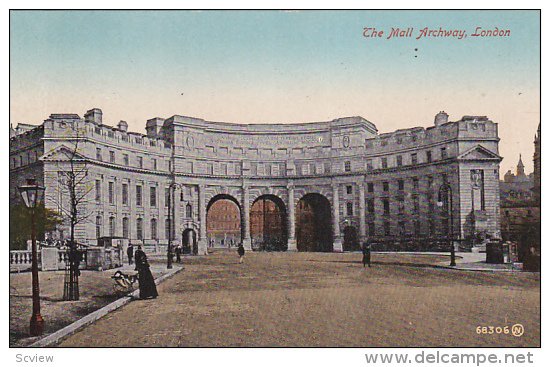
(441, 118)
(123, 125)
(94, 115)
(153, 127)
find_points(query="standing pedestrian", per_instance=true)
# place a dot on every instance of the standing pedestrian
(178, 254)
(130, 253)
(147, 287)
(366, 254)
(240, 251)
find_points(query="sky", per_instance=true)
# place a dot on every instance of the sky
(279, 67)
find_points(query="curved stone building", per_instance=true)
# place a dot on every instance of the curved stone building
(329, 185)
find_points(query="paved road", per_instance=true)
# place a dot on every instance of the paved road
(316, 299)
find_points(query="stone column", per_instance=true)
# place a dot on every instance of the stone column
(338, 245)
(247, 242)
(362, 225)
(291, 220)
(203, 242)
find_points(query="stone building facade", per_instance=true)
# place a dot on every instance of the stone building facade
(350, 178)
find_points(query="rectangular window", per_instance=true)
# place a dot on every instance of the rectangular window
(112, 226)
(139, 228)
(98, 154)
(223, 167)
(210, 168)
(98, 226)
(111, 192)
(154, 228)
(97, 190)
(125, 228)
(401, 204)
(238, 169)
(167, 197)
(401, 184)
(349, 189)
(371, 229)
(386, 186)
(169, 166)
(443, 153)
(369, 165)
(429, 156)
(387, 231)
(349, 208)
(153, 197)
(154, 164)
(124, 194)
(138, 195)
(416, 204)
(384, 162)
(326, 166)
(415, 183)
(399, 161)
(347, 166)
(430, 181)
(167, 228)
(370, 205)
(386, 203)
(370, 187)
(112, 156)
(126, 159)
(140, 162)
(414, 158)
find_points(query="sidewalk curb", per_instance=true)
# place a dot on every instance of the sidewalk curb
(458, 268)
(70, 329)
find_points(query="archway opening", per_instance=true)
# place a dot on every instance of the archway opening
(189, 241)
(351, 239)
(223, 222)
(314, 224)
(268, 228)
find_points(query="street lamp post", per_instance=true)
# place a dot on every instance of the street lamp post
(32, 195)
(445, 191)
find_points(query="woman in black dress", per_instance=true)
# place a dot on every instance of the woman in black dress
(147, 287)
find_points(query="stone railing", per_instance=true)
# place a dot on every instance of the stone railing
(21, 260)
(51, 258)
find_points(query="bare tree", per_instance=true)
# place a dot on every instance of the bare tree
(73, 181)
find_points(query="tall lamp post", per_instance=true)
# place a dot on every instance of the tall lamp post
(446, 193)
(32, 195)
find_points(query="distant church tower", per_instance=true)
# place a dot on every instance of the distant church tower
(536, 163)
(520, 169)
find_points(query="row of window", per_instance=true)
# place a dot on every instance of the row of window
(126, 160)
(139, 196)
(401, 229)
(399, 159)
(24, 159)
(112, 229)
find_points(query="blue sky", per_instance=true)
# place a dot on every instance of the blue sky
(274, 66)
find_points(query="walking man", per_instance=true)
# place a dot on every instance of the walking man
(240, 251)
(130, 253)
(366, 253)
(178, 254)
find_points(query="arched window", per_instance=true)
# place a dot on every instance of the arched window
(188, 210)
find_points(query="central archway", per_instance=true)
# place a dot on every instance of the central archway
(223, 222)
(314, 224)
(268, 228)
